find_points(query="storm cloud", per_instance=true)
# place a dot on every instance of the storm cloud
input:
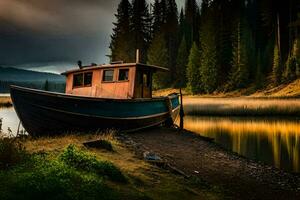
(55, 30)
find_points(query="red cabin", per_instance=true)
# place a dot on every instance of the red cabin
(116, 80)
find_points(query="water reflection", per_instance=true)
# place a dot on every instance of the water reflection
(10, 121)
(273, 141)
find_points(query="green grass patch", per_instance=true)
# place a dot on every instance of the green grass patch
(73, 174)
(84, 161)
(51, 179)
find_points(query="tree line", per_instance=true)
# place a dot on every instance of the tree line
(46, 85)
(220, 45)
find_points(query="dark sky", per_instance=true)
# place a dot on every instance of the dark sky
(40, 31)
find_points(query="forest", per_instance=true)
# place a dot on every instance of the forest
(220, 45)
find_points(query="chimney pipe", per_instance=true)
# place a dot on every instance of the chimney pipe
(137, 56)
(79, 64)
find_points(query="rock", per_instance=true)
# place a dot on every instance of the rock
(151, 156)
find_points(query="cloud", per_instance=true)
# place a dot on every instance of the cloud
(56, 30)
(58, 17)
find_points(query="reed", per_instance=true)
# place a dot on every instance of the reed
(12, 152)
(242, 107)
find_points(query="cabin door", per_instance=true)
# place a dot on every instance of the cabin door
(143, 89)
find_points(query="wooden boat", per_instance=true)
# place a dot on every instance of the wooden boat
(115, 96)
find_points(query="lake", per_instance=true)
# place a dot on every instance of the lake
(274, 140)
(271, 138)
(10, 121)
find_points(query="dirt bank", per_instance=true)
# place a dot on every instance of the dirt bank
(238, 177)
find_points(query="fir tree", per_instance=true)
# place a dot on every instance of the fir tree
(156, 17)
(193, 70)
(171, 34)
(120, 39)
(208, 70)
(291, 65)
(181, 24)
(191, 22)
(181, 63)
(140, 28)
(46, 85)
(239, 73)
(276, 72)
(158, 55)
(259, 78)
(297, 55)
(163, 14)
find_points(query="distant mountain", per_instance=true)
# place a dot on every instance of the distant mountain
(22, 75)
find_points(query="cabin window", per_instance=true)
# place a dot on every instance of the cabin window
(123, 74)
(108, 75)
(82, 79)
(88, 78)
(78, 80)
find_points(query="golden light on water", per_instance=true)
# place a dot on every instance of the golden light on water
(242, 106)
(278, 139)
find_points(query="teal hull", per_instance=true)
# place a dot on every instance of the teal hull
(44, 113)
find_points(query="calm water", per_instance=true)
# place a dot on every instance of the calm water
(271, 140)
(275, 141)
(10, 121)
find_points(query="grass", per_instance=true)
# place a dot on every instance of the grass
(103, 144)
(84, 161)
(241, 107)
(12, 153)
(62, 167)
(44, 178)
(5, 102)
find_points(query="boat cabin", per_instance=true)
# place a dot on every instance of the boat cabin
(116, 80)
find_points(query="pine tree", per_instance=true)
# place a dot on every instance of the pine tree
(239, 72)
(276, 72)
(156, 17)
(259, 78)
(193, 70)
(291, 65)
(208, 70)
(120, 39)
(163, 7)
(181, 63)
(46, 85)
(297, 55)
(171, 34)
(140, 28)
(224, 14)
(181, 24)
(158, 55)
(191, 22)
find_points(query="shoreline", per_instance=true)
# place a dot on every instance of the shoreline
(283, 91)
(238, 176)
(5, 102)
(191, 166)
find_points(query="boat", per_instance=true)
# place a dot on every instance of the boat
(97, 97)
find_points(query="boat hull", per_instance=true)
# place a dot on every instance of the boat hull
(48, 113)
